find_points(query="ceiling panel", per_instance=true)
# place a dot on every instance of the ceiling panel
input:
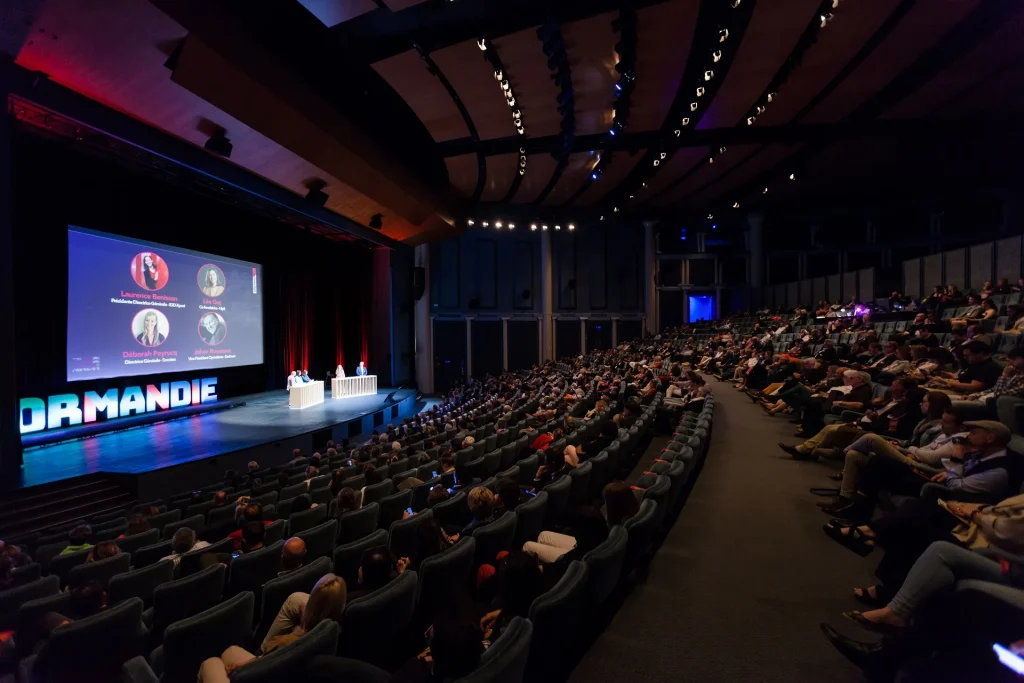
(1002, 48)
(590, 44)
(472, 77)
(501, 171)
(576, 172)
(333, 12)
(664, 34)
(408, 75)
(1002, 95)
(399, 5)
(773, 32)
(539, 169)
(923, 27)
(707, 173)
(527, 70)
(463, 173)
(671, 170)
(619, 167)
(722, 190)
(852, 27)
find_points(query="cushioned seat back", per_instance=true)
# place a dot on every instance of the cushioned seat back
(219, 515)
(195, 522)
(348, 555)
(604, 566)
(150, 554)
(320, 482)
(250, 571)
(495, 537)
(422, 492)
(30, 627)
(13, 598)
(444, 574)
(44, 554)
(659, 492)
(403, 536)
(598, 475)
(307, 519)
(528, 469)
(63, 564)
(558, 500)
(508, 456)
(478, 447)
(163, 519)
(641, 528)
(320, 540)
(190, 641)
(373, 622)
(491, 463)
(428, 471)
(505, 660)
(274, 532)
(392, 507)
(502, 438)
(580, 483)
(530, 519)
(523, 443)
(453, 512)
(490, 443)
(292, 491)
(677, 478)
(139, 583)
(358, 523)
(176, 600)
(99, 645)
(463, 455)
(129, 544)
(276, 591)
(401, 475)
(374, 492)
(199, 509)
(265, 499)
(101, 570)
(357, 482)
(283, 663)
(556, 616)
(190, 561)
(25, 574)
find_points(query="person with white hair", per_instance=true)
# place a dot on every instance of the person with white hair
(855, 394)
(396, 446)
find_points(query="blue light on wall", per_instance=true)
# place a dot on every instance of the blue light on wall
(702, 307)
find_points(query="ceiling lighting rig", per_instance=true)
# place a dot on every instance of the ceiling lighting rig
(553, 45)
(622, 93)
(499, 224)
(501, 75)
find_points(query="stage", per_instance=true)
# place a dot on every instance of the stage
(163, 458)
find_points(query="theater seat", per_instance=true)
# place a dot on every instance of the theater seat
(392, 507)
(282, 663)
(604, 567)
(528, 469)
(99, 645)
(495, 537)
(12, 598)
(505, 660)
(374, 492)
(129, 544)
(348, 555)
(190, 561)
(194, 522)
(140, 583)
(182, 598)
(250, 571)
(358, 523)
(403, 536)
(63, 564)
(307, 519)
(276, 591)
(320, 540)
(101, 570)
(453, 512)
(443, 574)
(530, 519)
(556, 619)
(189, 641)
(641, 528)
(371, 623)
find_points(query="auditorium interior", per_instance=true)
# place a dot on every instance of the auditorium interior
(508, 342)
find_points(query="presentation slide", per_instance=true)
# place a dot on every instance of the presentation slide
(141, 308)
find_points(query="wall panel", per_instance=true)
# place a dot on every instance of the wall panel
(805, 291)
(564, 245)
(835, 294)
(488, 355)
(522, 293)
(932, 272)
(485, 281)
(819, 288)
(523, 344)
(792, 294)
(866, 285)
(567, 338)
(980, 256)
(955, 263)
(849, 286)
(912, 277)
(1008, 258)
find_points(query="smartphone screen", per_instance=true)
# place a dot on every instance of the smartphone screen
(1008, 659)
(408, 510)
(235, 554)
(433, 475)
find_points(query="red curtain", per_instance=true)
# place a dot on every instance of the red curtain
(298, 327)
(339, 337)
(364, 350)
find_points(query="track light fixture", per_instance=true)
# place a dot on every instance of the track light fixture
(469, 222)
(792, 176)
(558, 227)
(721, 150)
(700, 91)
(723, 36)
(693, 106)
(485, 224)
(708, 75)
(677, 132)
(735, 205)
(498, 75)
(571, 226)
(685, 121)
(750, 120)
(533, 226)
(497, 224)
(663, 155)
(716, 55)
(482, 44)
(511, 226)
(764, 191)
(544, 227)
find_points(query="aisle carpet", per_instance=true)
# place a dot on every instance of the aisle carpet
(737, 590)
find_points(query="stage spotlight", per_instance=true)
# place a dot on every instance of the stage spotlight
(469, 222)
(710, 216)
(602, 218)
(486, 224)
(685, 121)
(750, 120)
(700, 91)
(764, 191)
(482, 44)
(615, 209)
(693, 106)
(499, 76)
(735, 205)
(677, 132)
(792, 176)
(511, 226)
(711, 160)
(497, 224)
(708, 75)
(593, 176)
(316, 194)
(376, 221)
(533, 226)
(572, 227)
(657, 162)
(771, 96)
(522, 171)
(643, 185)
(721, 150)
(611, 132)
(558, 227)
(723, 36)
(544, 227)
(716, 55)
(662, 155)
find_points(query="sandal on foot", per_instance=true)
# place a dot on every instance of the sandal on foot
(864, 596)
(885, 629)
(855, 540)
(836, 476)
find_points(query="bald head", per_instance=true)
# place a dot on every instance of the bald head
(293, 555)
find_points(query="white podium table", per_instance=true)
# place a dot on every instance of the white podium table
(347, 387)
(306, 395)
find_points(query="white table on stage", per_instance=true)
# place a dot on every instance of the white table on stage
(306, 395)
(347, 387)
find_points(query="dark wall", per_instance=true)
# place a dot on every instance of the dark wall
(320, 282)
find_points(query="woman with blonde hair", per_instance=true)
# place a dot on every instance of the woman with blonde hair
(150, 335)
(299, 615)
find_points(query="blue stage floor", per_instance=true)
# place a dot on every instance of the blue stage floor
(265, 418)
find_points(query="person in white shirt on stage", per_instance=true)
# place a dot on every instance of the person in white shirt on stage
(340, 372)
(361, 369)
(291, 380)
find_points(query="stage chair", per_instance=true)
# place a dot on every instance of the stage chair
(358, 523)
(289, 492)
(403, 539)
(307, 519)
(45, 552)
(372, 624)
(604, 567)
(274, 532)
(530, 519)
(374, 492)
(276, 591)
(101, 570)
(63, 564)
(195, 523)
(320, 540)
(443, 574)
(99, 644)
(163, 519)
(140, 583)
(495, 537)
(13, 598)
(191, 640)
(505, 660)
(348, 555)
(556, 617)
(182, 598)
(392, 507)
(190, 561)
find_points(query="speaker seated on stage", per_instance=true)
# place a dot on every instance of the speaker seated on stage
(361, 369)
(339, 372)
(305, 376)
(291, 380)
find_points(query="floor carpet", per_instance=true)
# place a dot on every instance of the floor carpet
(738, 589)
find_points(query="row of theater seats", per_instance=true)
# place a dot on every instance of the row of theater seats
(191, 609)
